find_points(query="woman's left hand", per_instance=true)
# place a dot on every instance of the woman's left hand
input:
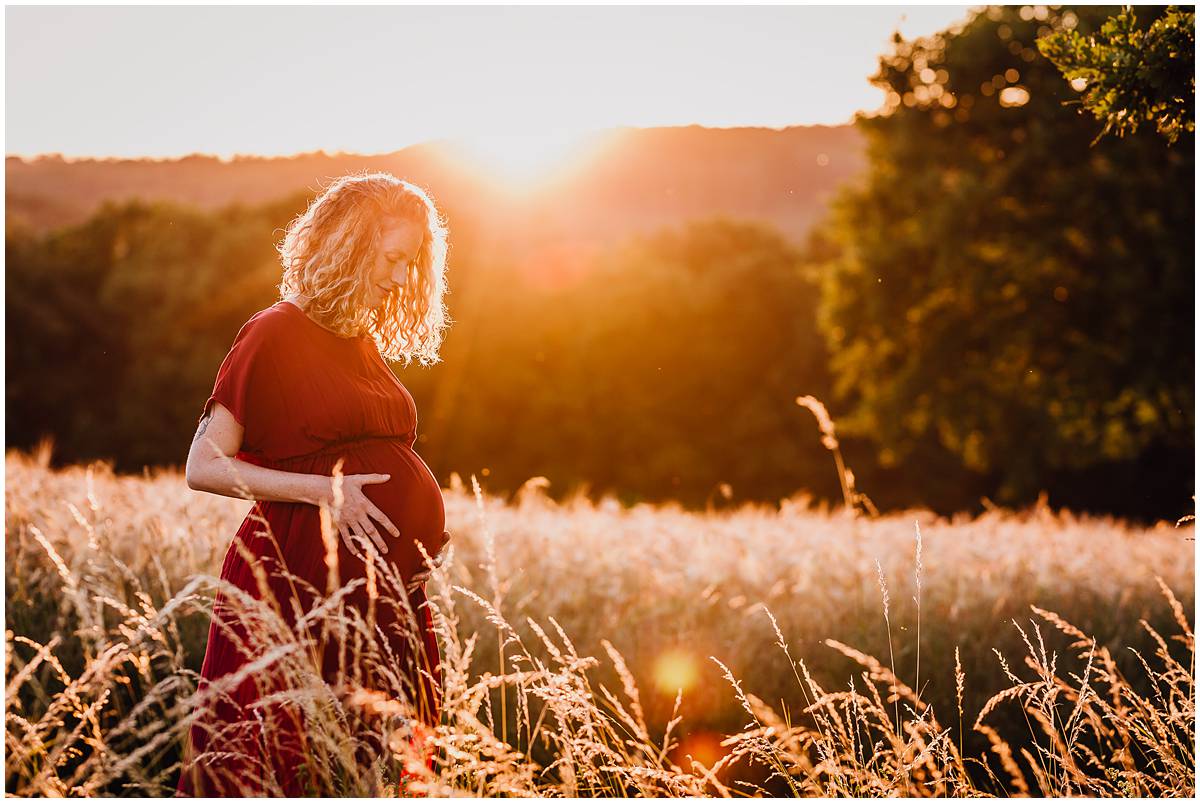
(423, 575)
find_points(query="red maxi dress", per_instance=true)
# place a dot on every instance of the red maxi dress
(305, 398)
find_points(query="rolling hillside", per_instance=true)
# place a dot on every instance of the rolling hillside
(640, 180)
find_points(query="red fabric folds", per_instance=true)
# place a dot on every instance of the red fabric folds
(307, 398)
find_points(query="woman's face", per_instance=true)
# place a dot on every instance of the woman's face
(400, 242)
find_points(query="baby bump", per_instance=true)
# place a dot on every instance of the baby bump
(411, 498)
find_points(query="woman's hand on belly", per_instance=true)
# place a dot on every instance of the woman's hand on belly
(423, 575)
(411, 500)
(358, 519)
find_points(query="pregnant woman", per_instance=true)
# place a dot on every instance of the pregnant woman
(307, 419)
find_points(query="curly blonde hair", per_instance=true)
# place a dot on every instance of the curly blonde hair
(328, 250)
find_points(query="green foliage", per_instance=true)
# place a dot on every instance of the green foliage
(1131, 75)
(999, 288)
(116, 327)
(705, 336)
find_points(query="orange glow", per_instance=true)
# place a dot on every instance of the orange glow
(524, 160)
(703, 746)
(554, 266)
(675, 670)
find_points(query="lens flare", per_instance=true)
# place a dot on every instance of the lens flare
(703, 746)
(675, 670)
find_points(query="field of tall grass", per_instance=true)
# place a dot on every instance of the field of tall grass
(589, 649)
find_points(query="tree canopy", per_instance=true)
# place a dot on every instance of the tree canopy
(1001, 289)
(1132, 74)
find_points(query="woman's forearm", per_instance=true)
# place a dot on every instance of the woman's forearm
(228, 476)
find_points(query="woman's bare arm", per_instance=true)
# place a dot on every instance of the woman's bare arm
(212, 467)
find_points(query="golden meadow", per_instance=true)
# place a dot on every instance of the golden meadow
(592, 649)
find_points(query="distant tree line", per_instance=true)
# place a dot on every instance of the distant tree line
(999, 308)
(664, 369)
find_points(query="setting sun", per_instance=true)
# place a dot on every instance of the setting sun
(521, 160)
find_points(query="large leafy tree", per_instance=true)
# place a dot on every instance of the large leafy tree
(1132, 74)
(1003, 289)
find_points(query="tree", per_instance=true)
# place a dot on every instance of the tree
(116, 326)
(666, 370)
(695, 343)
(1002, 290)
(1131, 75)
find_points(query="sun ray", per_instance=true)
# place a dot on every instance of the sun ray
(524, 160)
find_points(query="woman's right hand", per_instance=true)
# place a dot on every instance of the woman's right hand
(359, 518)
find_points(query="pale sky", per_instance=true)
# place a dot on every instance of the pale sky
(167, 81)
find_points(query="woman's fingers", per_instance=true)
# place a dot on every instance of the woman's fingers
(373, 479)
(344, 532)
(368, 534)
(358, 539)
(378, 515)
(417, 579)
(372, 531)
(440, 558)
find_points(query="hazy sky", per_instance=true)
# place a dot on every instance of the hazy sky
(167, 81)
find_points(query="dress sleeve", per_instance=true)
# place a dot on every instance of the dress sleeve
(245, 378)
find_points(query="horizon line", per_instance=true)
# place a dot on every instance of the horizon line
(58, 156)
